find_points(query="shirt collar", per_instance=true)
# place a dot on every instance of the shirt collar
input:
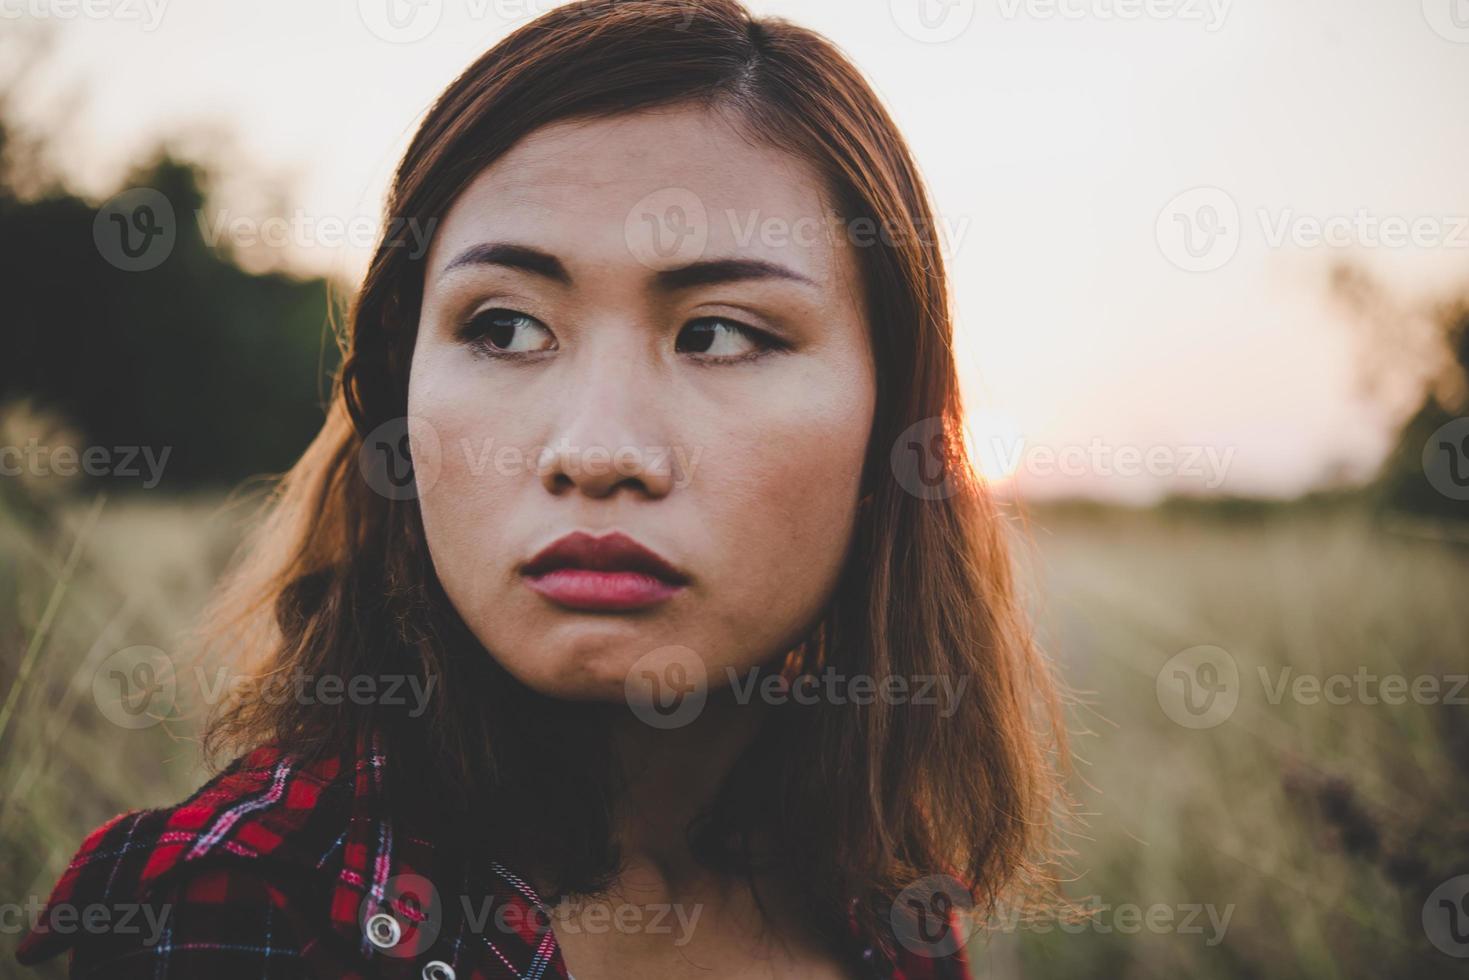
(439, 901)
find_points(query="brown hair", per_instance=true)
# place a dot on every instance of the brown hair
(338, 580)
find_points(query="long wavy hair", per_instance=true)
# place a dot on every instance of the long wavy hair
(855, 800)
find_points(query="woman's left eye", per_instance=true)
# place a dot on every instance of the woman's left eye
(722, 339)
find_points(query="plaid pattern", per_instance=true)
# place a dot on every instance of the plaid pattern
(275, 869)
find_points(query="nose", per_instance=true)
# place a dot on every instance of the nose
(610, 435)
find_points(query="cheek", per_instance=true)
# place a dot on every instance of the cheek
(784, 489)
(465, 507)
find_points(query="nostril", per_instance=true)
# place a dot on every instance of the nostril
(598, 469)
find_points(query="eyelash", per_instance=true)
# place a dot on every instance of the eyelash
(475, 332)
(475, 336)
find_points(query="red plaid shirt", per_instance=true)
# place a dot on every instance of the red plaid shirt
(279, 869)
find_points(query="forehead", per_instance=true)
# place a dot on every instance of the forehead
(653, 189)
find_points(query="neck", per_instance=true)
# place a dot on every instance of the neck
(671, 775)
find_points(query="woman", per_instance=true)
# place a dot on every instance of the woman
(647, 478)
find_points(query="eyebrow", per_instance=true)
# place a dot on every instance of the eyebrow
(706, 272)
(510, 256)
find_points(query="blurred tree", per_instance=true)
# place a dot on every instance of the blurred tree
(1417, 356)
(223, 368)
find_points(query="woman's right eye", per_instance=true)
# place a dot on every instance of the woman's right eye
(500, 331)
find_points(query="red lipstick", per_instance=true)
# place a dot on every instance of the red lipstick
(612, 573)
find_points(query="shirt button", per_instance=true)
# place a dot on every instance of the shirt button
(437, 970)
(383, 931)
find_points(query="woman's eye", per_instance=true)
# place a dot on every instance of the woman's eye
(717, 337)
(500, 331)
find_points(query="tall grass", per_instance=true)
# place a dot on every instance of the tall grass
(1318, 829)
(79, 581)
(1323, 825)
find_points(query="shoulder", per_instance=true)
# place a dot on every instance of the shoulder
(231, 874)
(285, 867)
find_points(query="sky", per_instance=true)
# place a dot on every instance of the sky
(1144, 199)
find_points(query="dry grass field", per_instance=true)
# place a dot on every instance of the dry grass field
(1292, 834)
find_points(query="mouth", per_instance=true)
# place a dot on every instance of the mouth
(611, 573)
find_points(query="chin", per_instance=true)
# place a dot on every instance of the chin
(581, 664)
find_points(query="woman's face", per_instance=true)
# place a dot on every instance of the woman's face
(641, 326)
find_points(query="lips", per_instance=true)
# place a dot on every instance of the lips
(611, 573)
